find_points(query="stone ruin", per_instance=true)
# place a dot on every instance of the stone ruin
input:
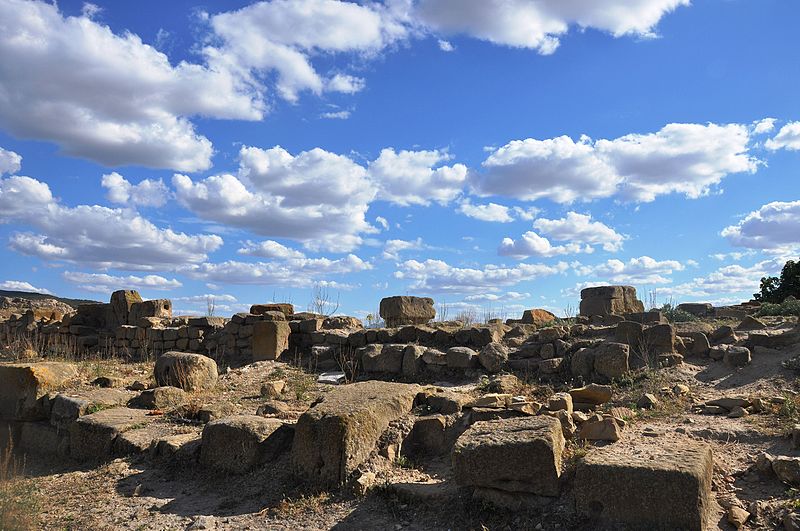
(507, 450)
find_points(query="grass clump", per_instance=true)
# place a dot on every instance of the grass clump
(19, 497)
(674, 315)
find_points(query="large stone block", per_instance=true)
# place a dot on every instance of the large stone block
(659, 486)
(160, 308)
(514, 455)
(284, 307)
(336, 435)
(190, 372)
(92, 436)
(239, 443)
(609, 300)
(120, 307)
(405, 310)
(611, 359)
(379, 358)
(67, 408)
(270, 339)
(699, 309)
(537, 317)
(23, 386)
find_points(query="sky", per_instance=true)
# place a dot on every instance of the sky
(496, 155)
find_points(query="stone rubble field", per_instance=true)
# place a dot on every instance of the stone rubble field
(121, 416)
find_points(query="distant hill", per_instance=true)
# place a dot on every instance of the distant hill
(39, 296)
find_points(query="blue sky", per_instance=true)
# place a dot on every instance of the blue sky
(493, 155)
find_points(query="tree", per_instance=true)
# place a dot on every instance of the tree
(776, 289)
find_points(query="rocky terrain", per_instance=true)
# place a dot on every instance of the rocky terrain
(122, 416)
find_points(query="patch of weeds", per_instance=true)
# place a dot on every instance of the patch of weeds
(95, 408)
(301, 383)
(483, 384)
(786, 309)
(574, 451)
(403, 462)
(794, 499)
(278, 374)
(137, 426)
(293, 508)
(19, 497)
(789, 412)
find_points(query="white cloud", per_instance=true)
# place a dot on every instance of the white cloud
(107, 97)
(497, 297)
(773, 228)
(679, 158)
(101, 236)
(10, 162)
(269, 249)
(148, 193)
(642, 270)
(316, 197)
(393, 248)
(417, 177)
(345, 84)
(729, 279)
(19, 285)
(764, 126)
(104, 283)
(445, 46)
(383, 222)
(335, 115)
(489, 212)
(296, 272)
(538, 25)
(579, 228)
(788, 137)
(90, 10)
(438, 276)
(532, 244)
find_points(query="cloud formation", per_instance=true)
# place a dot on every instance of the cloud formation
(774, 228)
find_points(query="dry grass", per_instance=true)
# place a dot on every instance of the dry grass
(19, 501)
(302, 505)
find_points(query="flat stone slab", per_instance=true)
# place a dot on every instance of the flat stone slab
(514, 455)
(67, 408)
(654, 485)
(22, 385)
(338, 434)
(241, 442)
(92, 437)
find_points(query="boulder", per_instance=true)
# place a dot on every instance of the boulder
(629, 332)
(593, 394)
(284, 307)
(336, 435)
(24, 385)
(270, 339)
(582, 363)
(737, 356)
(700, 344)
(600, 428)
(164, 398)
(462, 358)
(655, 486)
(609, 300)
(659, 339)
(513, 455)
(493, 357)
(611, 359)
(751, 323)
(190, 372)
(405, 310)
(537, 317)
(379, 358)
(239, 443)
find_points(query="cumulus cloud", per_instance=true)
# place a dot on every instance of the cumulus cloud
(680, 158)
(269, 249)
(788, 137)
(104, 283)
(10, 162)
(539, 25)
(126, 105)
(417, 177)
(295, 272)
(641, 270)
(764, 126)
(393, 248)
(726, 280)
(20, 285)
(147, 193)
(773, 228)
(438, 276)
(497, 297)
(579, 228)
(532, 244)
(92, 234)
(496, 213)
(446, 46)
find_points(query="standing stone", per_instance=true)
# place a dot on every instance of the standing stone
(610, 300)
(657, 486)
(520, 455)
(121, 303)
(611, 359)
(270, 339)
(404, 310)
(161, 308)
(190, 372)
(339, 433)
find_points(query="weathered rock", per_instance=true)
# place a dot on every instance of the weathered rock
(551, 366)
(591, 394)
(787, 469)
(336, 435)
(190, 372)
(379, 358)
(443, 401)
(404, 310)
(273, 407)
(515, 455)
(273, 389)
(462, 358)
(66, 408)
(270, 339)
(608, 300)
(600, 428)
(659, 339)
(240, 443)
(493, 357)
(560, 401)
(432, 356)
(700, 344)
(698, 309)
(92, 436)
(582, 363)
(161, 308)
(284, 307)
(23, 385)
(490, 400)
(164, 398)
(412, 360)
(751, 323)
(120, 307)
(630, 333)
(658, 487)
(723, 334)
(427, 437)
(611, 359)
(537, 317)
(737, 356)
(647, 401)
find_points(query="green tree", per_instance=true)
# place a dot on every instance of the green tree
(776, 289)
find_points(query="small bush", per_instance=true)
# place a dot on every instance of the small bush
(786, 308)
(674, 315)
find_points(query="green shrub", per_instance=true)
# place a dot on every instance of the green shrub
(674, 315)
(776, 289)
(785, 308)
